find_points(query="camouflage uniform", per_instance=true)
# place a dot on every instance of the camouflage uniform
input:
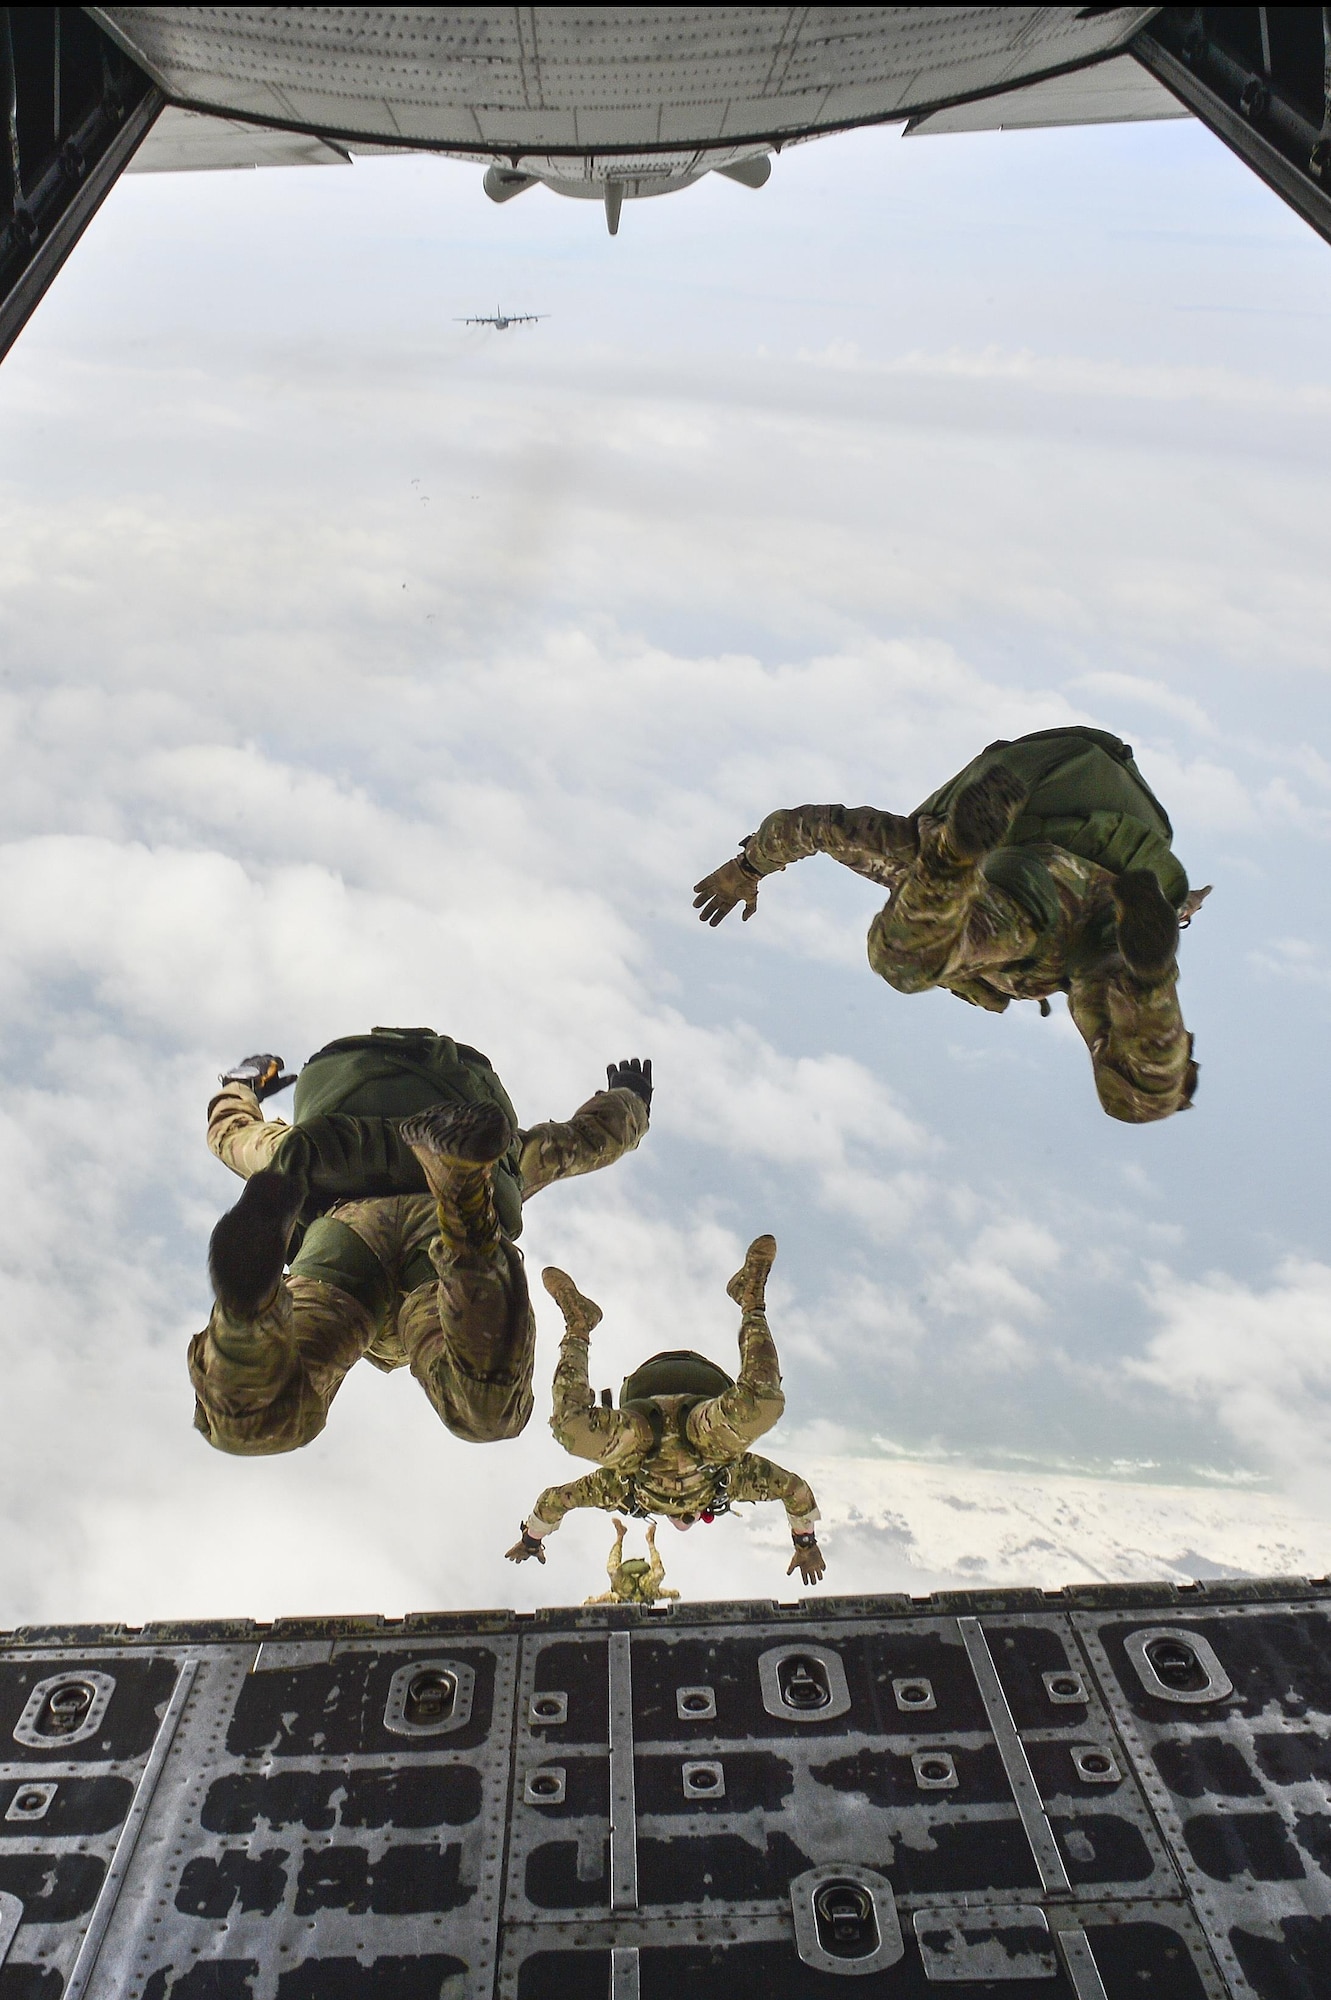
(377, 1278)
(1036, 916)
(632, 1579)
(690, 1458)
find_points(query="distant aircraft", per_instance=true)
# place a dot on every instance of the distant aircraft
(501, 320)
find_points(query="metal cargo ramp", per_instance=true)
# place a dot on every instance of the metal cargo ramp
(1104, 1793)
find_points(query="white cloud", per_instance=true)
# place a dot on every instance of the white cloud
(1133, 689)
(1080, 376)
(1293, 958)
(990, 1280)
(1259, 1358)
(929, 1522)
(864, 1323)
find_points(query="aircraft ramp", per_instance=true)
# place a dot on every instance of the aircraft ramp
(1111, 1793)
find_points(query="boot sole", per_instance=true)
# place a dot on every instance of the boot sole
(476, 1135)
(1147, 924)
(982, 814)
(247, 1251)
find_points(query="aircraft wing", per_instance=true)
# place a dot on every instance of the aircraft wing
(195, 142)
(1117, 92)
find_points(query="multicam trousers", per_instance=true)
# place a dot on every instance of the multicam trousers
(375, 1278)
(950, 925)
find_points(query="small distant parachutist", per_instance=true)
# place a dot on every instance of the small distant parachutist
(634, 1579)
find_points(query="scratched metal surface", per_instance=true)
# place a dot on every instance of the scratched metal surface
(55, 1864)
(636, 1803)
(1242, 1785)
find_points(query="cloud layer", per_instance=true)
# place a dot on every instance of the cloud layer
(393, 675)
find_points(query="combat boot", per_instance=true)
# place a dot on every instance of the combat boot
(982, 813)
(458, 1146)
(581, 1314)
(247, 1252)
(1147, 924)
(748, 1287)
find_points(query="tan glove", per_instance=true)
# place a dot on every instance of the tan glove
(528, 1546)
(717, 894)
(808, 1560)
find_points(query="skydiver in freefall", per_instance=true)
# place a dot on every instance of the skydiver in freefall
(678, 1443)
(634, 1579)
(1046, 866)
(396, 1195)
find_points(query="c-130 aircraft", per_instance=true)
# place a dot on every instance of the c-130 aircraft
(500, 319)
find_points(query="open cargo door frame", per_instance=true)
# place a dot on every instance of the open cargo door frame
(73, 108)
(1260, 79)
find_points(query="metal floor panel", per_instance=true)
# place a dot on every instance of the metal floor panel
(1241, 1785)
(1112, 1794)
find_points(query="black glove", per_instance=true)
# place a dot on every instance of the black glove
(525, 1548)
(631, 1074)
(263, 1074)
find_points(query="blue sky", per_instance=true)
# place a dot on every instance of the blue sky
(358, 666)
